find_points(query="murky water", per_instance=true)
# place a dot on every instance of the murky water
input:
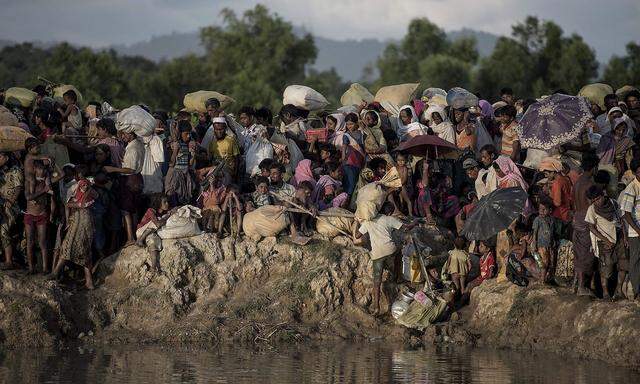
(343, 363)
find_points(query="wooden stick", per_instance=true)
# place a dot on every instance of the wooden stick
(325, 214)
(82, 136)
(300, 207)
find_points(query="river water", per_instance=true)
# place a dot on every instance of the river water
(334, 363)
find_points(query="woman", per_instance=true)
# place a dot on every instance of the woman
(11, 185)
(352, 152)
(408, 124)
(336, 127)
(179, 184)
(76, 246)
(440, 124)
(303, 173)
(614, 146)
(465, 130)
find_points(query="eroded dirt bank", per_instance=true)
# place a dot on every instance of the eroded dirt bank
(214, 291)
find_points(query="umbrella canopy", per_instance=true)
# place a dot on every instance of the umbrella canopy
(418, 145)
(554, 121)
(494, 213)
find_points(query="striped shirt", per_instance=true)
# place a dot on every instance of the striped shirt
(629, 201)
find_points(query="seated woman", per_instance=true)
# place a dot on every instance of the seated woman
(328, 190)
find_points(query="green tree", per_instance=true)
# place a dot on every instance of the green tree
(537, 60)
(444, 71)
(254, 57)
(399, 62)
(465, 49)
(624, 70)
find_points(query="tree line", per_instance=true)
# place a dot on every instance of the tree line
(253, 57)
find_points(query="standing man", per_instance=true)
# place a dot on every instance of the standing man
(630, 206)
(224, 147)
(584, 259)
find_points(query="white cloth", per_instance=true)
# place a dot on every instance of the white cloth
(134, 155)
(445, 129)
(629, 201)
(414, 128)
(604, 226)
(486, 182)
(380, 235)
(209, 136)
(152, 166)
(259, 150)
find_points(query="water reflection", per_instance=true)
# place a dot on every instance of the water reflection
(341, 363)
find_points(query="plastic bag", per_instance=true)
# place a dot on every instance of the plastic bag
(595, 93)
(183, 223)
(304, 97)
(19, 97)
(260, 149)
(152, 167)
(355, 95)
(8, 119)
(195, 101)
(266, 221)
(397, 95)
(459, 98)
(137, 120)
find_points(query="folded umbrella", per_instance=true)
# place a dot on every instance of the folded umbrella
(419, 145)
(494, 213)
(554, 121)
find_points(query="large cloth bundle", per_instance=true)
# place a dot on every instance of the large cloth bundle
(182, 223)
(355, 95)
(259, 150)
(13, 138)
(266, 221)
(19, 97)
(397, 95)
(420, 316)
(329, 225)
(304, 97)
(195, 101)
(371, 196)
(459, 98)
(624, 90)
(7, 118)
(595, 93)
(137, 120)
(61, 89)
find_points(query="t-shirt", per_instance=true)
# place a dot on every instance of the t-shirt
(629, 201)
(134, 155)
(562, 193)
(543, 230)
(226, 149)
(605, 227)
(284, 190)
(379, 230)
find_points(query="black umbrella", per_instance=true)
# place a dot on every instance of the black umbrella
(494, 213)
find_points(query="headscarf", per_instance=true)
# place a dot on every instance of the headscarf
(324, 183)
(374, 138)
(336, 138)
(302, 173)
(511, 172)
(414, 128)
(631, 125)
(445, 129)
(550, 164)
(486, 108)
(610, 148)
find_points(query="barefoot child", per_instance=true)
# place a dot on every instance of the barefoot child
(383, 250)
(232, 208)
(155, 217)
(212, 199)
(40, 206)
(543, 239)
(458, 264)
(405, 177)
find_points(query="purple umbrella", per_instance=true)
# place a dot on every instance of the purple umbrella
(554, 121)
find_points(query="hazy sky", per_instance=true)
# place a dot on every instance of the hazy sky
(607, 25)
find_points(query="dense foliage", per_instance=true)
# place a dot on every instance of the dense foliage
(253, 57)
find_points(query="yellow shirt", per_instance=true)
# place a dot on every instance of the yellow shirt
(226, 149)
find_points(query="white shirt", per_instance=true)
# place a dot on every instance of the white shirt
(486, 185)
(134, 155)
(605, 227)
(379, 230)
(629, 201)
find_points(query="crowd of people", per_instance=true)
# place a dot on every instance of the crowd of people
(81, 189)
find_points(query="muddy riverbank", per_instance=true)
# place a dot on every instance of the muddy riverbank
(213, 292)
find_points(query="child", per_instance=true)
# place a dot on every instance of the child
(543, 239)
(232, 204)
(302, 198)
(154, 218)
(261, 196)
(458, 264)
(487, 266)
(405, 177)
(384, 252)
(211, 199)
(71, 113)
(603, 217)
(40, 207)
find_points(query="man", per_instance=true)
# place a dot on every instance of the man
(277, 184)
(213, 110)
(630, 206)
(632, 99)
(224, 147)
(602, 120)
(561, 190)
(506, 95)
(131, 181)
(384, 252)
(248, 127)
(510, 144)
(584, 259)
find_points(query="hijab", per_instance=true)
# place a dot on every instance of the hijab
(445, 129)
(511, 172)
(414, 128)
(302, 173)
(486, 108)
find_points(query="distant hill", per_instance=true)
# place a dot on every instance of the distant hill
(348, 57)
